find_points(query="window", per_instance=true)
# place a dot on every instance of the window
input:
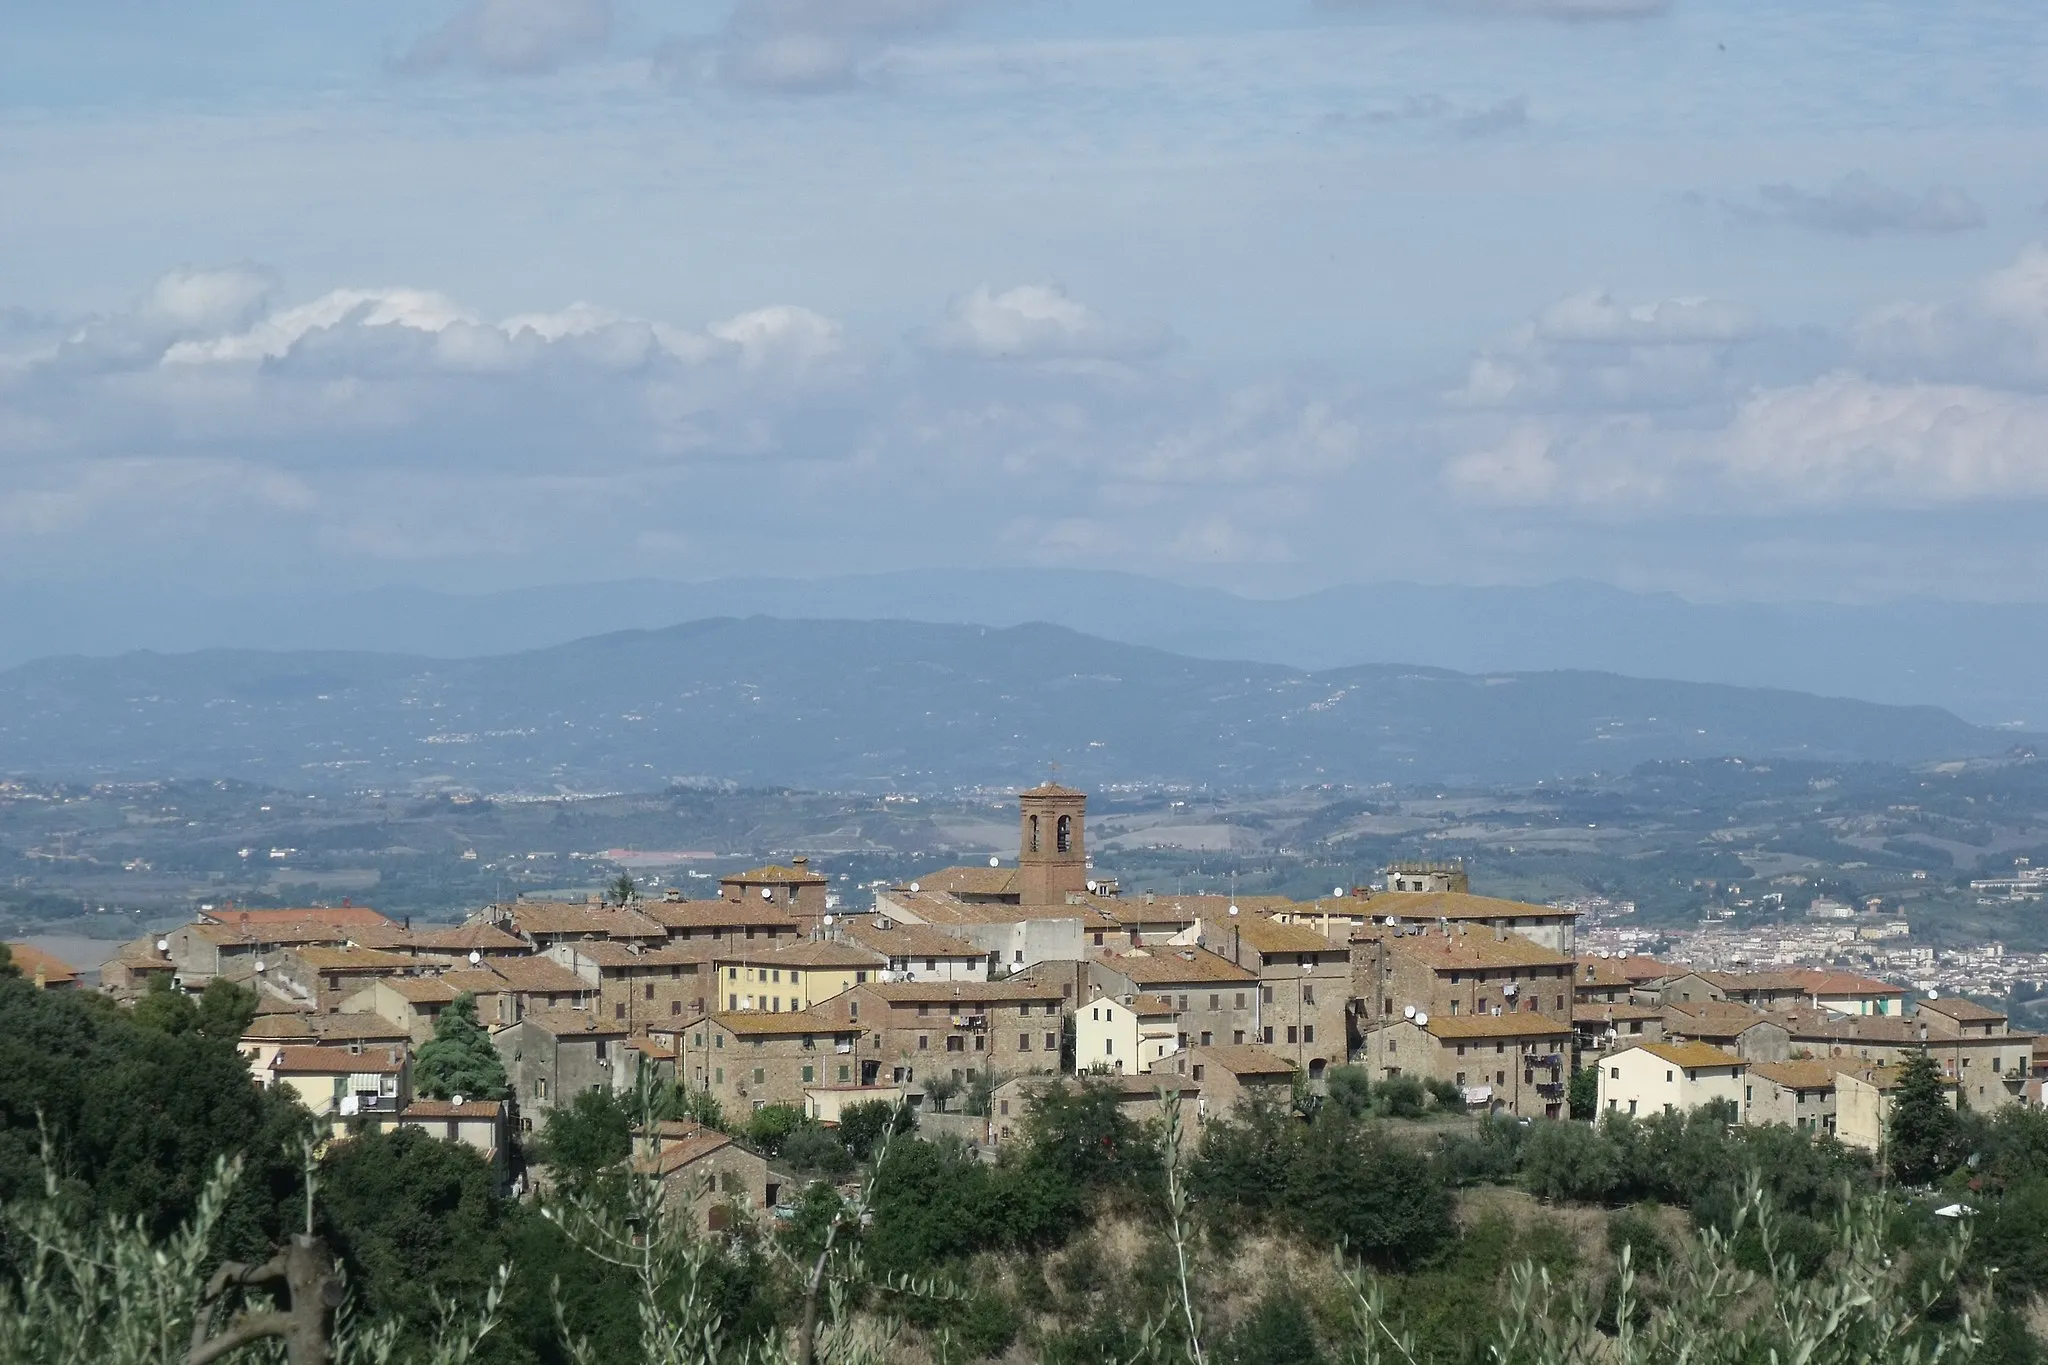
(760, 1075)
(1198, 1071)
(718, 1039)
(1237, 1036)
(1208, 1039)
(923, 1010)
(1308, 1033)
(732, 973)
(1024, 1042)
(807, 1074)
(843, 1075)
(1183, 1002)
(675, 972)
(540, 1088)
(1031, 835)
(955, 1044)
(931, 964)
(1308, 993)
(1017, 956)
(719, 1072)
(650, 990)
(1290, 1033)
(675, 1007)
(1500, 1048)
(1268, 1037)
(1215, 1002)
(1240, 1000)
(1065, 835)
(1461, 1078)
(979, 1042)
(923, 1041)
(1500, 1078)
(618, 1011)
(1667, 1078)
(1052, 1042)
(1461, 1049)
(1051, 1009)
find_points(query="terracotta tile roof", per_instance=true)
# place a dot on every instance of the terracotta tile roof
(942, 907)
(902, 938)
(272, 934)
(609, 953)
(1726, 1023)
(1826, 983)
(1050, 788)
(1800, 1075)
(1241, 1059)
(1600, 973)
(573, 1024)
(969, 881)
(1267, 936)
(807, 953)
(449, 1109)
(1412, 906)
(421, 990)
(1609, 1012)
(718, 914)
(966, 992)
(1518, 1024)
(569, 917)
(680, 1145)
(1147, 968)
(334, 1061)
(775, 874)
(1466, 949)
(534, 975)
(323, 959)
(32, 961)
(1692, 1054)
(1960, 1008)
(335, 915)
(1639, 969)
(271, 1028)
(347, 1028)
(770, 1024)
(475, 936)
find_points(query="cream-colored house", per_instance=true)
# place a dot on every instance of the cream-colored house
(1863, 1103)
(1120, 1038)
(1656, 1078)
(337, 1085)
(795, 976)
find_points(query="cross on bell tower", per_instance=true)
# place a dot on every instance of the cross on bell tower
(1052, 844)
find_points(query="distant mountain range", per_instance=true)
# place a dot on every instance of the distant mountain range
(1987, 663)
(893, 705)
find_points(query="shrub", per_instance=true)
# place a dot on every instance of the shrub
(1401, 1097)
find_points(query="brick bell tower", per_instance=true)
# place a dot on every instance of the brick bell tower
(1052, 844)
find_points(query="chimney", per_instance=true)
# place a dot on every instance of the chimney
(801, 861)
(1500, 932)
(346, 903)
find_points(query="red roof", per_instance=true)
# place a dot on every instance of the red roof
(340, 915)
(334, 1061)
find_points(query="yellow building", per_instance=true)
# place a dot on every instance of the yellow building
(796, 977)
(1112, 1036)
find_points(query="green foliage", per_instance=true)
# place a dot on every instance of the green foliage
(416, 1220)
(862, 1126)
(986, 1323)
(1337, 1182)
(141, 1117)
(935, 1204)
(1350, 1089)
(1583, 1094)
(1491, 1152)
(1080, 1135)
(770, 1126)
(1921, 1136)
(1448, 1096)
(460, 1058)
(814, 1150)
(1570, 1161)
(7, 967)
(1401, 1097)
(590, 1134)
(1278, 1332)
(1635, 1230)
(678, 1101)
(622, 889)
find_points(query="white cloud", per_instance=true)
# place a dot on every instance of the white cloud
(1857, 205)
(514, 37)
(1034, 322)
(1590, 351)
(802, 45)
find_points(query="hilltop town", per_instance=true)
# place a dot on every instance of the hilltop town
(967, 992)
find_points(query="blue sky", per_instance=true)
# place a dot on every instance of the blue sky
(1735, 299)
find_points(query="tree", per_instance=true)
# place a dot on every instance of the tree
(771, 1125)
(459, 1059)
(1584, 1094)
(861, 1126)
(225, 1010)
(585, 1137)
(1570, 1161)
(1922, 1128)
(1350, 1089)
(623, 889)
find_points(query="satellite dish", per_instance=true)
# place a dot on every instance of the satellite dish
(1933, 994)
(828, 921)
(1421, 1019)
(1233, 910)
(767, 893)
(1092, 884)
(1407, 1011)
(995, 862)
(457, 1101)
(259, 964)
(475, 958)
(913, 888)
(163, 945)
(1393, 921)
(1337, 891)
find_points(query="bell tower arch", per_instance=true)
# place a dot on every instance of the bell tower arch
(1052, 844)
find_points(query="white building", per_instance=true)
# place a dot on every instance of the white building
(1657, 1078)
(1126, 1038)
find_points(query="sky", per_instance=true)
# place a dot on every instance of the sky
(1733, 299)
